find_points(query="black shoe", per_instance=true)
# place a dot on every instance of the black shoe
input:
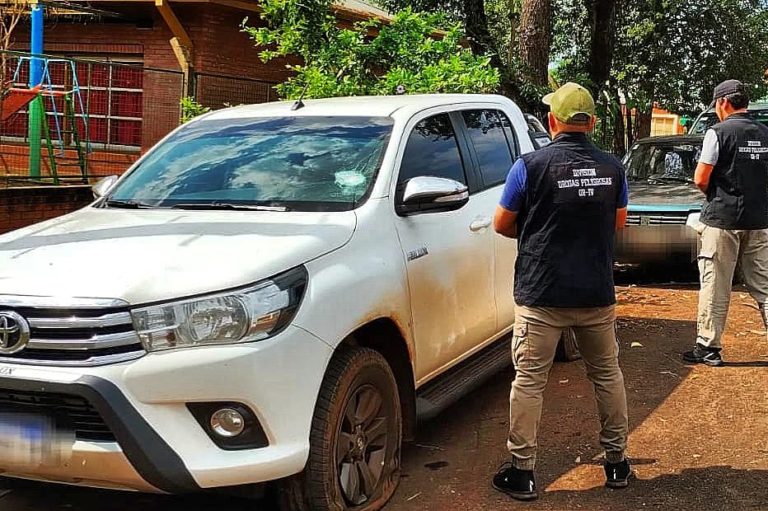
(703, 355)
(518, 484)
(617, 474)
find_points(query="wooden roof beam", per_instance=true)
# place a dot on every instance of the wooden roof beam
(177, 29)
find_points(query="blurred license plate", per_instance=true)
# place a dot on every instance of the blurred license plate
(31, 441)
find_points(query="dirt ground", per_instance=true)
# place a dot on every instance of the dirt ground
(699, 435)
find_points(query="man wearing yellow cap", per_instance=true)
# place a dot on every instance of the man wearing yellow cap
(564, 203)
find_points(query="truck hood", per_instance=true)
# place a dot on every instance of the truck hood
(143, 256)
(664, 194)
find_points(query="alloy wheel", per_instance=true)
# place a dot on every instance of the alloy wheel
(362, 444)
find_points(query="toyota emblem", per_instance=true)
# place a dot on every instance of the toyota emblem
(14, 333)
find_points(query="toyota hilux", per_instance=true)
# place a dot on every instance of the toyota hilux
(273, 293)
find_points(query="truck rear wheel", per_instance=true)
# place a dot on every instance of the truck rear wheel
(355, 441)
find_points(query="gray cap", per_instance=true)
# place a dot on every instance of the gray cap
(728, 88)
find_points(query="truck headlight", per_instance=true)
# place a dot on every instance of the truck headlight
(244, 315)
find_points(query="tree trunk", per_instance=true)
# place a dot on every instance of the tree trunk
(603, 17)
(535, 38)
(481, 42)
(630, 131)
(644, 118)
(476, 26)
(514, 30)
(619, 139)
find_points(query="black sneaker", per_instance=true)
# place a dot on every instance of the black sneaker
(703, 355)
(617, 474)
(518, 484)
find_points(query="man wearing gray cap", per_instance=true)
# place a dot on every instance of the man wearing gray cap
(733, 173)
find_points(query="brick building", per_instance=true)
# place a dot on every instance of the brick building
(134, 68)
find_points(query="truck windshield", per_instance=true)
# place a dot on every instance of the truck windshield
(290, 163)
(663, 162)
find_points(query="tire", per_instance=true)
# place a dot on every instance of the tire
(567, 349)
(355, 440)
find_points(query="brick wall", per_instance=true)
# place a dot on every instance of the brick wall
(20, 207)
(221, 51)
(219, 45)
(221, 48)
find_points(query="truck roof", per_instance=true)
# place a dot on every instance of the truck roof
(357, 106)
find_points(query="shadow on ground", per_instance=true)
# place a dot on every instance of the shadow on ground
(32, 496)
(708, 488)
(466, 443)
(686, 275)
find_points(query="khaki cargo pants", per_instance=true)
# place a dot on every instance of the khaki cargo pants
(719, 252)
(537, 333)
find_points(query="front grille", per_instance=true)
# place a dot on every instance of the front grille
(69, 412)
(676, 218)
(82, 336)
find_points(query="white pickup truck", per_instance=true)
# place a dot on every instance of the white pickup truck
(273, 293)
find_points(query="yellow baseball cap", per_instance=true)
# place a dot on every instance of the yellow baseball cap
(571, 104)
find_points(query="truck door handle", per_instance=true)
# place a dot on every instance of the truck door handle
(480, 224)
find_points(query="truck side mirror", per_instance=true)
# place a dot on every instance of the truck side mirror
(430, 194)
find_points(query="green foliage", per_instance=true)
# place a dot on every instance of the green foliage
(676, 55)
(671, 52)
(502, 24)
(191, 109)
(370, 58)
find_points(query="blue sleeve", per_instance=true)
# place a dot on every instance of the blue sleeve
(514, 189)
(623, 192)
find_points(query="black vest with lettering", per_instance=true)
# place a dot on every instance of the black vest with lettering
(737, 197)
(566, 226)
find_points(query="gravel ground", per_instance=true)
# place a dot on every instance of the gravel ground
(699, 435)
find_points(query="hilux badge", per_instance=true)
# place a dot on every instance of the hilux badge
(418, 253)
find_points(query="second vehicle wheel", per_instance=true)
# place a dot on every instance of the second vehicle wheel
(355, 441)
(568, 349)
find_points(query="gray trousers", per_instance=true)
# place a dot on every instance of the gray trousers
(719, 252)
(537, 333)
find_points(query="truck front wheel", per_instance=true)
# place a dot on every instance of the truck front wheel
(355, 441)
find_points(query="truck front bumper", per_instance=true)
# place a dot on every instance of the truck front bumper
(637, 244)
(157, 444)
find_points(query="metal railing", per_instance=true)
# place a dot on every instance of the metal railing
(129, 107)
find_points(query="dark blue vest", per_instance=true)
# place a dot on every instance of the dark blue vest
(567, 225)
(737, 197)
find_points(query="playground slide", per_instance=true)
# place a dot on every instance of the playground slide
(13, 100)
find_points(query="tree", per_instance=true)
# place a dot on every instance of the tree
(494, 31)
(535, 38)
(370, 58)
(602, 14)
(11, 12)
(666, 52)
(673, 52)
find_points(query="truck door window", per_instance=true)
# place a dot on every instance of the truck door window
(432, 150)
(486, 131)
